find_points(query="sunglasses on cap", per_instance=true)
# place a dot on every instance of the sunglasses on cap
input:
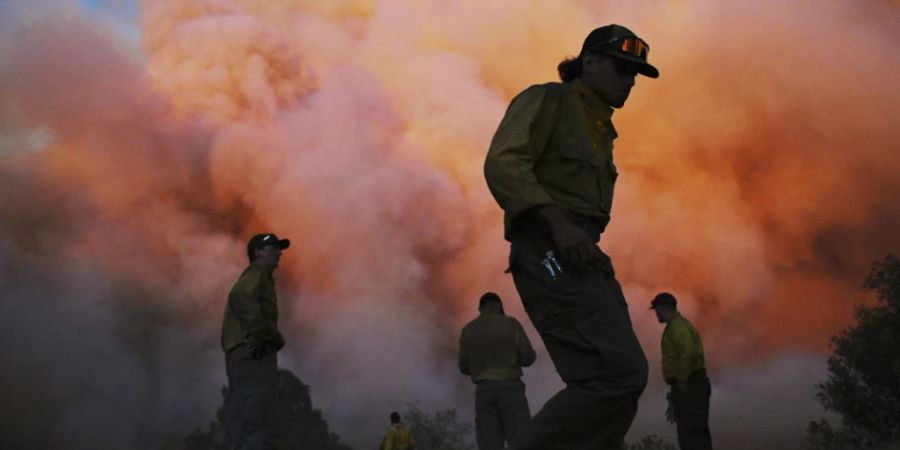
(631, 45)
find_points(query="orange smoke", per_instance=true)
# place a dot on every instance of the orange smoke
(758, 172)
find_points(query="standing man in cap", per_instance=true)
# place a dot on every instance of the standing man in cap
(684, 368)
(250, 339)
(550, 167)
(493, 348)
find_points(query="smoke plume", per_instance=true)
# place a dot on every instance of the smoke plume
(759, 181)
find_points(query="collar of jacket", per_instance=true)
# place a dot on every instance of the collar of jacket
(258, 264)
(676, 318)
(597, 106)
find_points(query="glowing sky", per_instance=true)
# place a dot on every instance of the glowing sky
(141, 145)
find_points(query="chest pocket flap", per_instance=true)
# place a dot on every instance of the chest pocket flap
(581, 151)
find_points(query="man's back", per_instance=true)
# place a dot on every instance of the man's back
(251, 313)
(398, 438)
(494, 347)
(682, 349)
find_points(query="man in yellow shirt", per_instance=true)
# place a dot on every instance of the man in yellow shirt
(550, 167)
(250, 340)
(398, 436)
(684, 368)
(493, 348)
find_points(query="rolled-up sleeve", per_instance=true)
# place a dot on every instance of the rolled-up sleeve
(518, 143)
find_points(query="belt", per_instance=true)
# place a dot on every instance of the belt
(591, 227)
(529, 226)
(697, 374)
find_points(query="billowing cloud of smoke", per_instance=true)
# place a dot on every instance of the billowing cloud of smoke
(757, 186)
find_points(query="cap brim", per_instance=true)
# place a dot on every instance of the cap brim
(284, 243)
(643, 67)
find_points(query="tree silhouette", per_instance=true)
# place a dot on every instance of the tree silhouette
(299, 425)
(441, 430)
(652, 442)
(863, 385)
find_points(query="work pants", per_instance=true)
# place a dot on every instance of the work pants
(691, 409)
(501, 411)
(251, 396)
(583, 320)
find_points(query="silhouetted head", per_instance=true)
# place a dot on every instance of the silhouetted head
(610, 58)
(266, 248)
(665, 306)
(490, 303)
(395, 417)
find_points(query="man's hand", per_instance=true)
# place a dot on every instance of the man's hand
(575, 246)
(258, 351)
(278, 342)
(258, 348)
(670, 413)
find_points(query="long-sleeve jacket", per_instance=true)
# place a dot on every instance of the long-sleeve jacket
(494, 347)
(398, 438)
(554, 146)
(251, 314)
(682, 350)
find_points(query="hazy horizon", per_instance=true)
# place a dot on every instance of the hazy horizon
(141, 144)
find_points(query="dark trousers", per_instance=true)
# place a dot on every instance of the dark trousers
(501, 411)
(691, 409)
(583, 320)
(251, 394)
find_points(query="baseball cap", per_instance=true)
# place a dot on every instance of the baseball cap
(263, 239)
(663, 299)
(490, 297)
(620, 42)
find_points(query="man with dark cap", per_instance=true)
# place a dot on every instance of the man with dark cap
(684, 368)
(250, 339)
(550, 167)
(493, 348)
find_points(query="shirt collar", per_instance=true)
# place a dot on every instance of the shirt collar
(598, 107)
(259, 264)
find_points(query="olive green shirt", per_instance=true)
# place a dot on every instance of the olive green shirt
(494, 347)
(682, 350)
(398, 437)
(251, 314)
(554, 146)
